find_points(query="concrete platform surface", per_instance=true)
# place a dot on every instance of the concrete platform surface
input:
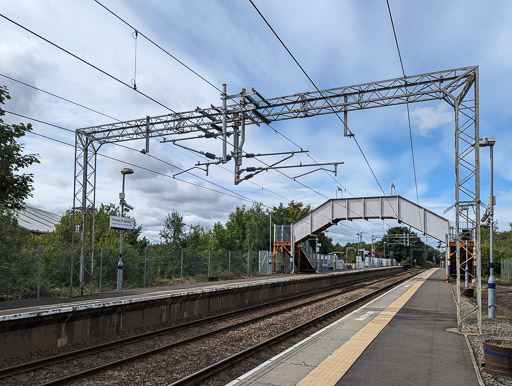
(21, 309)
(399, 338)
(27, 307)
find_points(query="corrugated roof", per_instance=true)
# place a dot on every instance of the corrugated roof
(37, 220)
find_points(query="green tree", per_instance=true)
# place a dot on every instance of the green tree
(257, 228)
(326, 245)
(217, 238)
(282, 215)
(236, 234)
(18, 265)
(173, 232)
(14, 187)
(197, 238)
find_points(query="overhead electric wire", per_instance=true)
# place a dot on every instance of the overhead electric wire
(59, 97)
(88, 63)
(158, 46)
(90, 109)
(407, 104)
(318, 90)
(238, 195)
(145, 95)
(233, 193)
(95, 67)
(232, 172)
(194, 72)
(211, 84)
(218, 89)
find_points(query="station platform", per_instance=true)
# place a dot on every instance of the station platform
(400, 338)
(38, 324)
(20, 309)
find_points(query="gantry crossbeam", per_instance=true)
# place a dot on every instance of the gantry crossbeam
(254, 109)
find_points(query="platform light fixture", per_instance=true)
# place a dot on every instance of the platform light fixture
(123, 203)
(489, 216)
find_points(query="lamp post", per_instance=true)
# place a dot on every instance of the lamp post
(385, 249)
(491, 283)
(359, 239)
(122, 201)
(341, 192)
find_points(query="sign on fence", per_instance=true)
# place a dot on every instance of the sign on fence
(122, 223)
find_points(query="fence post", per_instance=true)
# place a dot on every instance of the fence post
(145, 264)
(229, 265)
(101, 266)
(209, 262)
(181, 274)
(39, 272)
(248, 257)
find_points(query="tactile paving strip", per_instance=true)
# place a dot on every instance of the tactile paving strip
(332, 369)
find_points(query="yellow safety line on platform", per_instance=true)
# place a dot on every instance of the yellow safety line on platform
(332, 369)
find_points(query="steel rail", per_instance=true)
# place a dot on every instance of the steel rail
(41, 363)
(95, 370)
(216, 367)
(92, 371)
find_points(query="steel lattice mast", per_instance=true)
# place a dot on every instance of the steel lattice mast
(458, 87)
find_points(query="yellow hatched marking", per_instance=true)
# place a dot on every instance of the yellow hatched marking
(332, 369)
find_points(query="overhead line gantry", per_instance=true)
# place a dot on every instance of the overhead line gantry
(458, 87)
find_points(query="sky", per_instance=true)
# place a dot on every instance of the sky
(338, 43)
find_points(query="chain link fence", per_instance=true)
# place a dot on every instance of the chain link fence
(506, 270)
(42, 271)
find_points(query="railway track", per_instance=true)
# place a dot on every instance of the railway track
(84, 363)
(212, 370)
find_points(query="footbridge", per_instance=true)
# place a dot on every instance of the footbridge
(366, 208)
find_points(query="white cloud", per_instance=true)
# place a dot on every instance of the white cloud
(338, 43)
(426, 120)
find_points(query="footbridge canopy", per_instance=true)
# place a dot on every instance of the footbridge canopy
(366, 208)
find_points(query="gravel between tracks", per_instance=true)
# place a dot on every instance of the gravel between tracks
(156, 369)
(176, 363)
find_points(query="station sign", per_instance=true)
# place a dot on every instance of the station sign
(122, 223)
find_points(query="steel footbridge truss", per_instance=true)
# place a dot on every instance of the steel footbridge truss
(457, 87)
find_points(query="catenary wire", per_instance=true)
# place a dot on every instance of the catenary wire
(88, 63)
(90, 109)
(126, 84)
(138, 91)
(137, 31)
(233, 195)
(318, 90)
(407, 104)
(218, 89)
(237, 196)
(158, 46)
(59, 97)
(240, 196)
(142, 167)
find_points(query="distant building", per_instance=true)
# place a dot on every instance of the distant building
(36, 220)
